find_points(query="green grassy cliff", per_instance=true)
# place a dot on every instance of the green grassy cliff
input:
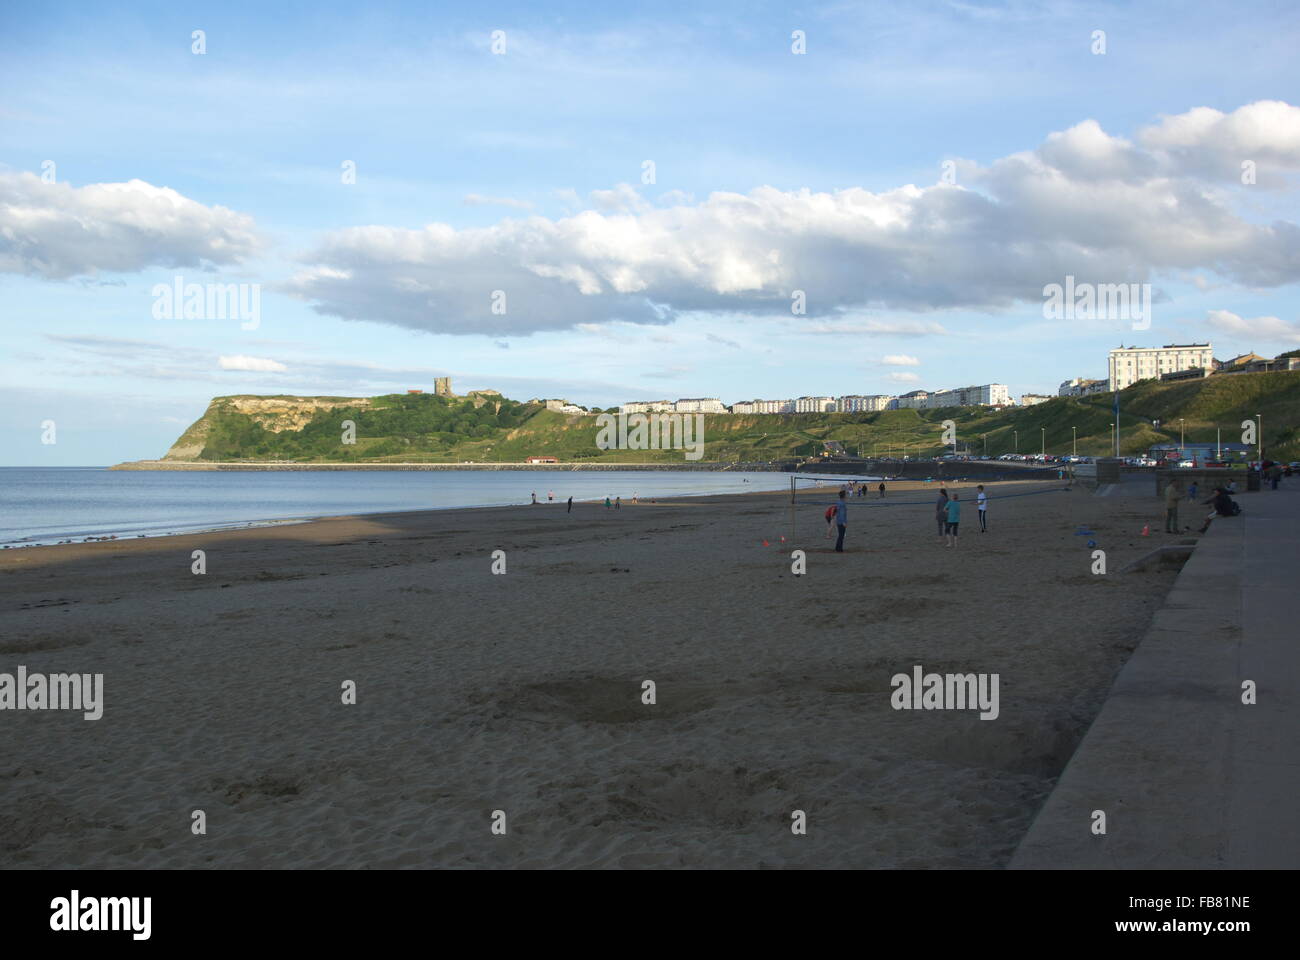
(413, 428)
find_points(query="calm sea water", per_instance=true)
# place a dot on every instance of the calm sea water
(49, 504)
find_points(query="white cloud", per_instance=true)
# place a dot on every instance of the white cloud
(1084, 203)
(1214, 144)
(1259, 328)
(255, 364)
(904, 377)
(57, 231)
(899, 360)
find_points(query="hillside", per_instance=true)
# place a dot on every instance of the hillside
(413, 428)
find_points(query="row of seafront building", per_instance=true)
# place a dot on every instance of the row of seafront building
(989, 394)
(1126, 366)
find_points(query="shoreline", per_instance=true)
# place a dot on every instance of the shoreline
(416, 513)
(712, 466)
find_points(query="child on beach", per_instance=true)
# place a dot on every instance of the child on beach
(607, 503)
(953, 510)
(982, 504)
(830, 518)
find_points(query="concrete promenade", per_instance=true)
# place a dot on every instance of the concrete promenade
(1188, 776)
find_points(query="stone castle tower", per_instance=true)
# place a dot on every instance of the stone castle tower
(442, 387)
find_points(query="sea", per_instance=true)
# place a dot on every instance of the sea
(45, 505)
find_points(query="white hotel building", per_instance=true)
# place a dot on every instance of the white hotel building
(987, 395)
(763, 406)
(1128, 365)
(854, 403)
(814, 405)
(699, 405)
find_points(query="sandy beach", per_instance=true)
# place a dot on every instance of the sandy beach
(522, 692)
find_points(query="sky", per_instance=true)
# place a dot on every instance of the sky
(608, 203)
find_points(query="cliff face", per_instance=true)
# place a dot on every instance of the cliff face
(276, 414)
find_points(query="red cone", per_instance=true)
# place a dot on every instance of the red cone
(766, 544)
(1146, 529)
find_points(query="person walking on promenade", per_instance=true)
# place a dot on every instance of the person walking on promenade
(1172, 496)
(841, 521)
(982, 504)
(941, 511)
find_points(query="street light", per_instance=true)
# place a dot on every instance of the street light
(1076, 441)
(1017, 433)
(1182, 451)
(1112, 437)
(1259, 427)
(1044, 432)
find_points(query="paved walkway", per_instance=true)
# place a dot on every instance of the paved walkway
(1187, 775)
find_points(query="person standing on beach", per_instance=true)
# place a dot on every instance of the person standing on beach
(941, 511)
(534, 497)
(881, 488)
(550, 495)
(1191, 491)
(607, 503)
(953, 509)
(842, 521)
(830, 518)
(618, 503)
(570, 510)
(1172, 496)
(982, 505)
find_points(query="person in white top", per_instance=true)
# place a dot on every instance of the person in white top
(982, 501)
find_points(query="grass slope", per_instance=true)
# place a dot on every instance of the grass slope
(426, 428)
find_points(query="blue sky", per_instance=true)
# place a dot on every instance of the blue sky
(523, 171)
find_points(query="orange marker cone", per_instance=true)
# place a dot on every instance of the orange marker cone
(1146, 529)
(766, 544)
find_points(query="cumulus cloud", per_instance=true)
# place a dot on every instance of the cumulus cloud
(904, 377)
(1083, 203)
(1261, 328)
(255, 364)
(899, 360)
(1212, 144)
(58, 231)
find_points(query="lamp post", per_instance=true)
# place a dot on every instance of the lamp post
(1112, 436)
(1043, 430)
(1017, 433)
(1182, 452)
(1259, 428)
(1075, 451)
(985, 438)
